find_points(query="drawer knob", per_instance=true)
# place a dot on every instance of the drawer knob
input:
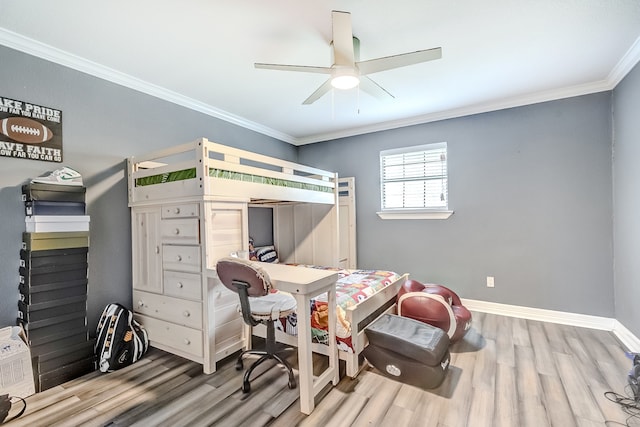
(179, 285)
(187, 341)
(140, 304)
(186, 314)
(179, 258)
(157, 249)
(177, 231)
(177, 210)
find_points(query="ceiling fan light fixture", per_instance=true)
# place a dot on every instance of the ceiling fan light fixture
(346, 68)
(345, 79)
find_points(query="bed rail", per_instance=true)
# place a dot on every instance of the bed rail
(205, 168)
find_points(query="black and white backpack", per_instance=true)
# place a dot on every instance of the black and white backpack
(120, 339)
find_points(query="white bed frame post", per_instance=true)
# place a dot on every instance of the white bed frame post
(347, 222)
(202, 158)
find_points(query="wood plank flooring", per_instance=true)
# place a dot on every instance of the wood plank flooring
(506, 372)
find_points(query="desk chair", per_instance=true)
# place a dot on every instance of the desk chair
(259, 304)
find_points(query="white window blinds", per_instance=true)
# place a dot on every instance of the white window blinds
(414, 178)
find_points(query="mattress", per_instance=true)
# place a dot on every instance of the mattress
(237, 176)
(352, 287)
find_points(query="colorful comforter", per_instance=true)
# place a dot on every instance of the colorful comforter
(352, 288)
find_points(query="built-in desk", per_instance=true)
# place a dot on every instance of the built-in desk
(305, 283)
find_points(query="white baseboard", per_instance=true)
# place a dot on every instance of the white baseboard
(626, 337)
(582, 320)
(573, 319)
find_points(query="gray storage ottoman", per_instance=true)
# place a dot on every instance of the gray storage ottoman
(407, 350)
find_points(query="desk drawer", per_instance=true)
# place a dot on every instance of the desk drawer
(183, 210)
(166, 333)
(181, 258)
(180, 231)
(182, 312)
(183, 285)
(230, 331)
(222, 296)
(224, 315)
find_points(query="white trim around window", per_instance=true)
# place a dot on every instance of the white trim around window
(423, 214)
(414, 182)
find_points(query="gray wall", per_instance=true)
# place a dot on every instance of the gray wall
(261, 225)
(626, 200)
(531, 191)
(531, 188)
(103, 123)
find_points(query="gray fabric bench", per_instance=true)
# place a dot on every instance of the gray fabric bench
(408, 351)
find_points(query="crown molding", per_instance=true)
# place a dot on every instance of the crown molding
(625, 65)
(58, 56)
(516, 101)
(630, 59)
(44, 51)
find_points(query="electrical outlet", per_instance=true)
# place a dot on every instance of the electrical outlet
(490, 282)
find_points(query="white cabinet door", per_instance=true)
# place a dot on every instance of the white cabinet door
(227, 230)
(146, 249)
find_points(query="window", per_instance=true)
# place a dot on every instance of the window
(413, 182)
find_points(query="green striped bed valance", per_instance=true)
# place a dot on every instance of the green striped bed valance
(237, 176)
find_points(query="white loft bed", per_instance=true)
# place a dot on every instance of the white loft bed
(206, 169)
(308, 226)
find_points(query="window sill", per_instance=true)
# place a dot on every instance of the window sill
(415, 214)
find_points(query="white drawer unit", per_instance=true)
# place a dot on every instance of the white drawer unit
(176, 295)
(183, 285)
(221, 295)
(180, 231)
(184, 210)
(227, 314)
(165, 334)
(229, 330)
(182, 312)
(181, 258)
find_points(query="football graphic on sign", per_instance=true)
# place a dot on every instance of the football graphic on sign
(25, 130)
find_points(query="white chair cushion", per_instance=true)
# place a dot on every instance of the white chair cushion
(272, 306)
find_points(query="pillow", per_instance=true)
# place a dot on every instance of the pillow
(252, 250)
(267, 254)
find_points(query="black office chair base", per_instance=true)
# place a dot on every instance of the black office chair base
(240, 361)
(246, 385)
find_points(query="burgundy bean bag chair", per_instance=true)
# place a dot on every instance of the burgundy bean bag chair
(435, 305)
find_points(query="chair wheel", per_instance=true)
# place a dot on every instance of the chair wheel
(292, 384)
(239, 365)
(246, 387)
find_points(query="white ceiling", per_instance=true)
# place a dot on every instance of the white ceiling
(200, 53)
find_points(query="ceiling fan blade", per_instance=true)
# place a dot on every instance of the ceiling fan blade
(342, 38)
(397, 61)
(300, 68)
(326, 87)
(374, 89)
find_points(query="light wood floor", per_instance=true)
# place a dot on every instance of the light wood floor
(506, 372)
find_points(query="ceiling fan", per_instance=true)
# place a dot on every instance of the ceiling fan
(347, 70)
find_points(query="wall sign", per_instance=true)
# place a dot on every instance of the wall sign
(29, 131)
